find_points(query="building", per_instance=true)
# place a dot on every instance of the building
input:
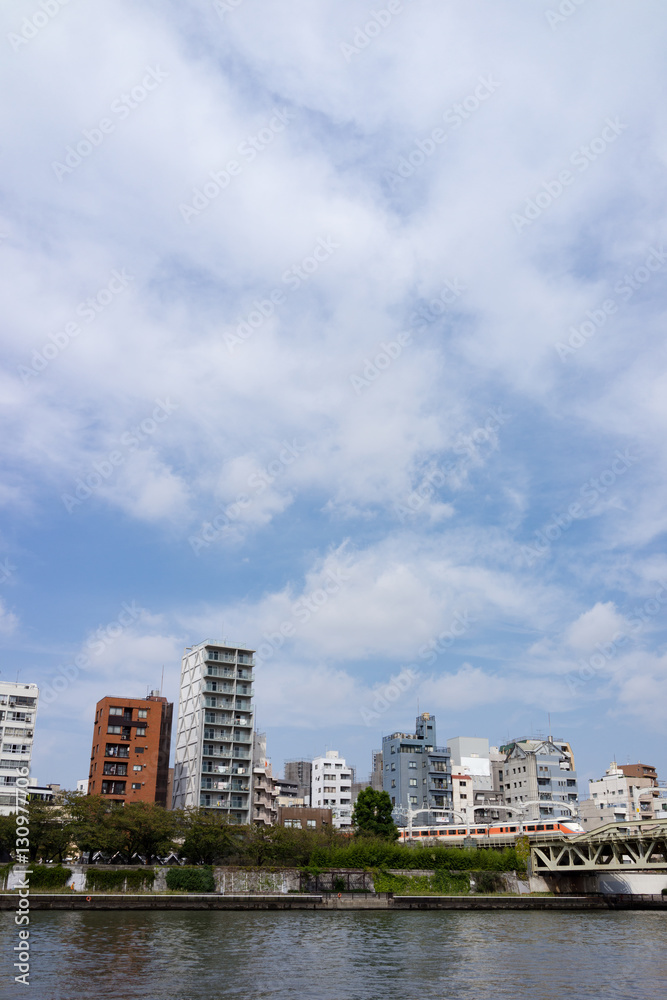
(539, 779)
(82, 787)
(471, 754)
(377, 771)
(299, 772)
(463, 797)
(304, 817)
(332, 788)
(264, 790)
(18, 709)
(213, 758)
(619, 796)
(418, 773)
(129, 760)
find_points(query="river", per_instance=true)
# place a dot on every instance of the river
(358, 955)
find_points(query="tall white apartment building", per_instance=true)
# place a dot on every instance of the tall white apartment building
(213, 758)
(18, 708)
(332, 788)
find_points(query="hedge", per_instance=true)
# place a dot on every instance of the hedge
(376, 853)
(199, 879)
(441, 883)
(48, 876)
(119, 879)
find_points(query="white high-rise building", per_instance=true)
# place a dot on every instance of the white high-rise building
(213, 758)
(18, 708)
(332, 788)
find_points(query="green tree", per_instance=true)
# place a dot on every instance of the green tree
(209, 838)
(93, 823)
(147, 829)
(372, 815)
(50, 830)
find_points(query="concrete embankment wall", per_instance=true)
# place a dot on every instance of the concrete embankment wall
(302, 901)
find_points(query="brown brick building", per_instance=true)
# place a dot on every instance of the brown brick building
(129, 761)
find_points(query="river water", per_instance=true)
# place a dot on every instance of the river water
(358, 955)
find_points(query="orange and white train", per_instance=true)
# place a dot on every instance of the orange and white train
(486, 833)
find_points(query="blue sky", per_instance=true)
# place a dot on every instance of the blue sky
(338, 331)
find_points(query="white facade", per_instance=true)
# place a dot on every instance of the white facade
(471, 755)
(617, 797)
(214, 739)
(463, 797)
(18, 709)
(332, 788)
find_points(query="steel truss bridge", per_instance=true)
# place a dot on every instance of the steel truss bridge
(634, 845)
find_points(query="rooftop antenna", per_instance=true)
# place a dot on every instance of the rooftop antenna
(549, 718)
(162, 680)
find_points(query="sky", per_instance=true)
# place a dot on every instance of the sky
(338, 331)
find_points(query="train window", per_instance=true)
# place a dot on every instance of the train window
(531, 829)
(552, 827)
(540, 827)
(433, 833)
(512, 829)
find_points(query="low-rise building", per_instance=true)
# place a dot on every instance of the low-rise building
(332, 788)
(628, 791)
(539, 779)
(304, 817)
(299, 772)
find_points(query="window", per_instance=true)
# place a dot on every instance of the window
(136, 785)
(393, 783)
(142, 713)
(136, 767)
(413, 800)
(311, 824)
(138, 749)
(413, 781)
(412, 764)
(116, 750)
(114, 729)
(113, 788)
(393, 767)
(114, 768)
(141, 732)
(114, 710)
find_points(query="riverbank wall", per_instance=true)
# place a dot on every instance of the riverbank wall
(328, 901)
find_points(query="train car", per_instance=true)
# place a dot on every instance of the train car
(488, 833)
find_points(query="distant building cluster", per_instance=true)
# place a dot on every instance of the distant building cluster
(221, 763)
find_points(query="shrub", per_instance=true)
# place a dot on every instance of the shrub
(198, 879)
(104, 880)
(48, 876)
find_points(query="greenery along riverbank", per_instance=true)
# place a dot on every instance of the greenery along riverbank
(141, 833)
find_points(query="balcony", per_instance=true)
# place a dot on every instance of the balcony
(240, 754)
